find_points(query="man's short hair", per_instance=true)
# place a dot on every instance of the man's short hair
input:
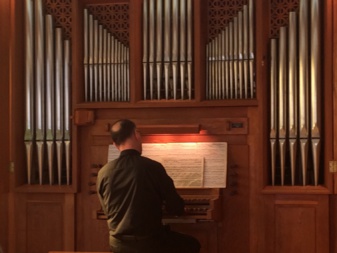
(121, 130)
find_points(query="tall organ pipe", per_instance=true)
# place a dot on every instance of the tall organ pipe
(86, 46)
(245, 49)
(182, 46)
(145, 46)
(39, 88)
(159, 25)
(282, 127)
(59, 92)
(293, 92)
(303, 85)
(66, 67)
(50, 86)
(251, 47)
(273, 107)
(189, 46)
(315, 84)
(29, 86)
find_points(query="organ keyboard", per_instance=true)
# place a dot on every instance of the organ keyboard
(201, 204)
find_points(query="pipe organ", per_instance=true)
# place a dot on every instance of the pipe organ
(47, 90)
(186, 71)
(230, 58)
(295, 80)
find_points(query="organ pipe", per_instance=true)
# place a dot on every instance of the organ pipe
(47, 81)
(29, 86)
(298, 105)
(232, 63)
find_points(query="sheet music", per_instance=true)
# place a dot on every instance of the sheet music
(202, 164)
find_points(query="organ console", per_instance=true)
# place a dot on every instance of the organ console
(200, 205)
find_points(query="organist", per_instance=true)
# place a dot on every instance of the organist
(132, 190)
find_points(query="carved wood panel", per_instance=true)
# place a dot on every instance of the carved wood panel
(61, 11)
(297, 224)
(279, 10)
(44, 222)
(114, 18)
(220, 13)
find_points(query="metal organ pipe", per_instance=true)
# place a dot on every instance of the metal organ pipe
(230, 66)
(189, 47)
(273, 107)
(245, 50)
(66, 102)
(167, 60)
(86, 46)
(29, 86)
(183, 46)
(50, 88)
(314, 85)
(159, 25)
(303, 86)
(299, 109)
(106, 62)
(59, 93)
(47, 97)
(145, 47)
(282, 121)
(293, 93)
(39, 87)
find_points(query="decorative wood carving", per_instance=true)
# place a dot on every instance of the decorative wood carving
(113, 17)
(61, 11)
(220, 13)
(279, 10)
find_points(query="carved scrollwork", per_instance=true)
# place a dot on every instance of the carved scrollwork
(61, 11)
(220, 13)
(279, 12)
(114, 18)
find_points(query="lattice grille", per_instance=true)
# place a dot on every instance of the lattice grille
(114, 18)
(279, 10)
(61, 12)
(220, 13)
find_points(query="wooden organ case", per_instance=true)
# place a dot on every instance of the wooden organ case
(184, 71)
(163, 94)
(91, 62)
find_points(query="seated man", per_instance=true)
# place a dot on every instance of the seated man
(132, 190)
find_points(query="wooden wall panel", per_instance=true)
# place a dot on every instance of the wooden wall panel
(295, 227)
(297, 224)
(44, 222)
(235, 207)
(45, 218)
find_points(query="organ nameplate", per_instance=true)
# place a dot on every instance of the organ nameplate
(202, 164)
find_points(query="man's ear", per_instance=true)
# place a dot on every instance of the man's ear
(136, 134)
